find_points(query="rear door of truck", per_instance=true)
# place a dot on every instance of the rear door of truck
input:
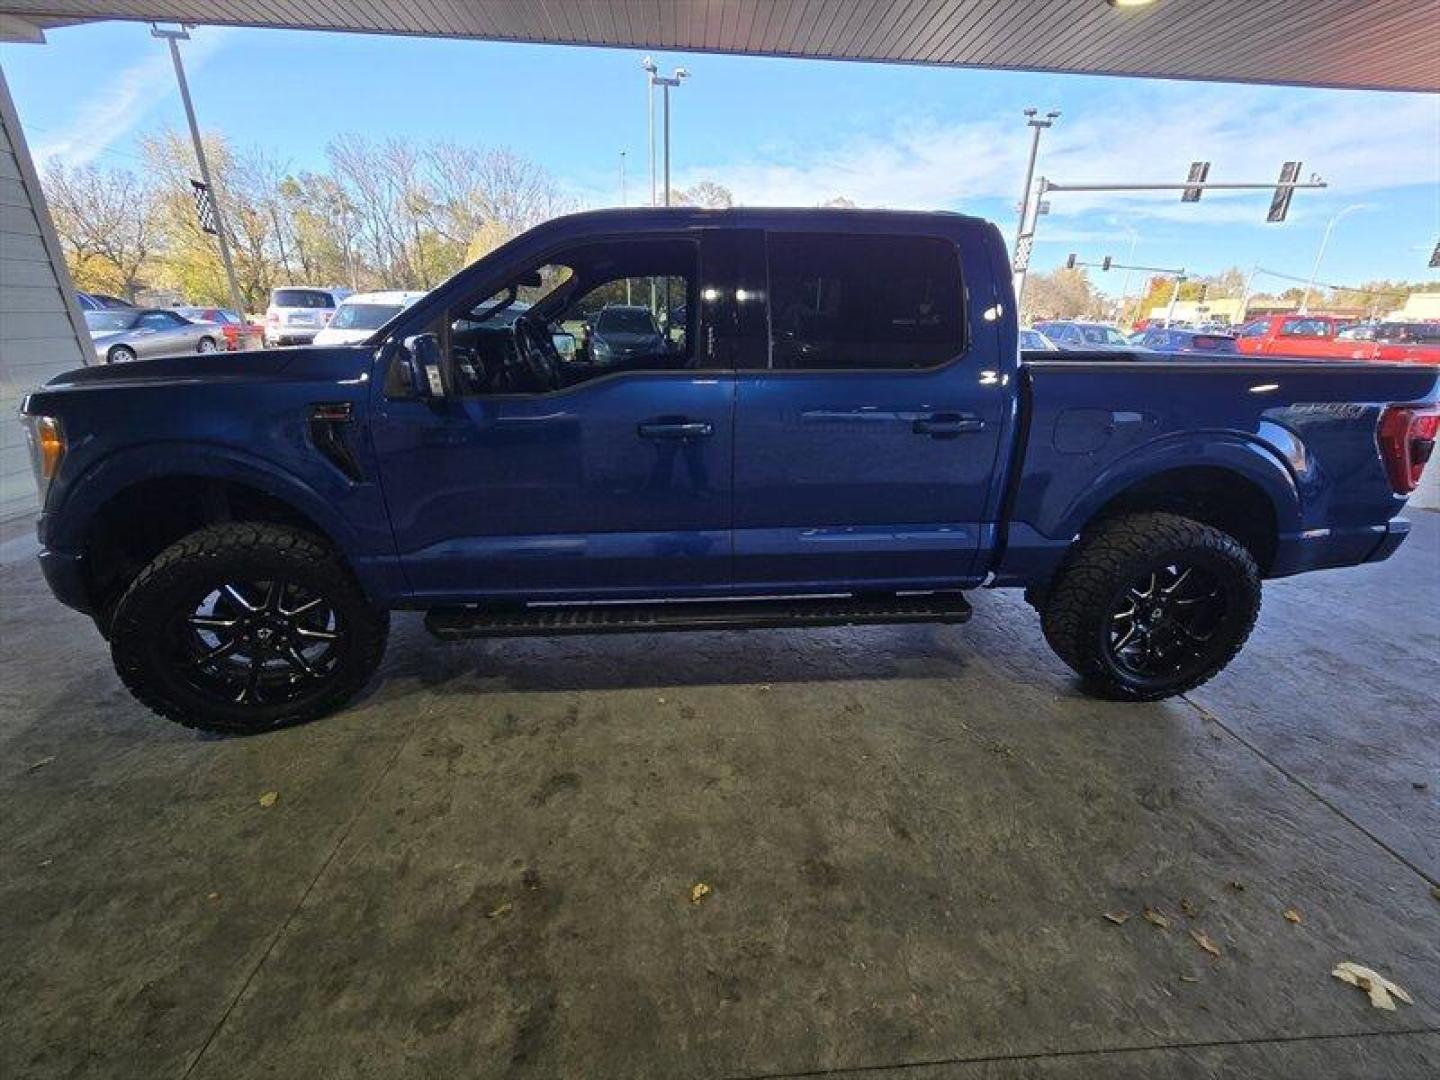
(867, 434)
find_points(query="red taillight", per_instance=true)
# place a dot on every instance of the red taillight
(1407, 439)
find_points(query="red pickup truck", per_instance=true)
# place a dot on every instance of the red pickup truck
(1326, 337)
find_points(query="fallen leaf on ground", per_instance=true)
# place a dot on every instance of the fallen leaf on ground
(213, 896)
(698, 892)
(1156, 918)
(764, 687)
(1291, 915)
(1238, 886)
(1117, 917)
(1203, 940)
(41, 763)
(1188, 978)
(270, 798)
(1187, 907)
(1381, 990)
(503, 909)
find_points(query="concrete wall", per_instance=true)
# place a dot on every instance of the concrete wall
(41, 329)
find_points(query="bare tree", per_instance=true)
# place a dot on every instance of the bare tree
(106, 224)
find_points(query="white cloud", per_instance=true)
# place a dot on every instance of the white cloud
(1359, 142)
(121, 102)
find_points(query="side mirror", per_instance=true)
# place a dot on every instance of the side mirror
(424, 362)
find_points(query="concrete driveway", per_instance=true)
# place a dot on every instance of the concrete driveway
(911, 837)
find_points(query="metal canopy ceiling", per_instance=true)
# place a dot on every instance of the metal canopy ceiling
(1375, 44)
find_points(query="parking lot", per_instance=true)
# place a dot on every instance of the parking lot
(911, 837)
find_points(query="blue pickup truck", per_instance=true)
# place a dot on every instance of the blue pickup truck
(832, 424)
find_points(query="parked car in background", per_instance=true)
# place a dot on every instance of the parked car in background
(101, 302)
(1189, 341)
(1034, 339)
(298, 312)
(1299, 335)
(1087, 336)
(361, 314)
(1407, 342)
(621, 332)
(123, 334)
(239, 333)
(1325, 337)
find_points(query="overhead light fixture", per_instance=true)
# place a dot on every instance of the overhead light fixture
(1129, 3)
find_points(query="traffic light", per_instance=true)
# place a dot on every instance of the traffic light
(1105, 265)
(1070, 262)
(1199, 172)
(1204, 290)
(1280, 201)
(1435, 255)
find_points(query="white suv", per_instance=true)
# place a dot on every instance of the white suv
(298, 312)
(362, 314)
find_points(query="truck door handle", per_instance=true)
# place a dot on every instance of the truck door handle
(947, 425)
(676, 429)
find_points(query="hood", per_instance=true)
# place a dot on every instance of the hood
(332, 335)
(218, 367)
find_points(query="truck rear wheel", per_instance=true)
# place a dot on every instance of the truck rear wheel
(245, 627)
(1152, 605)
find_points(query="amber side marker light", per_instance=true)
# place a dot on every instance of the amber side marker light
(47, 449)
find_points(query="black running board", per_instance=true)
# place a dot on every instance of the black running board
(458, 623)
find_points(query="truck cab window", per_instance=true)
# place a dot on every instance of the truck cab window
(592, 311)
(861, 301)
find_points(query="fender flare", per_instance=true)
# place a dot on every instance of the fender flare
(116, 472)
(1254, 459)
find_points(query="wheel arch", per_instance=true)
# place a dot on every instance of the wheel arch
(1236, 485)
(133, 504)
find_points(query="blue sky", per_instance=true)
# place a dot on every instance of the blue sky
(792, 132)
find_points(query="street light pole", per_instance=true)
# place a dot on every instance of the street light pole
(665, 83)
(1174, 296)
(1125, 289)
(174, 37)
(651, 70)
(1037, 124)
(1319, 255)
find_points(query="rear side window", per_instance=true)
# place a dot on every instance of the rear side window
(863, 302)
(305, 298)
(1304, 328)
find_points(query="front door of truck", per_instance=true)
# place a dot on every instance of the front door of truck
(584, 448)
(866, 441)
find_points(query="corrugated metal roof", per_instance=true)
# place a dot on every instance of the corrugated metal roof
(1379, 44)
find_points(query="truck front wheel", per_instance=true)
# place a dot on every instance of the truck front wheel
(1152, 605)
(245, 627)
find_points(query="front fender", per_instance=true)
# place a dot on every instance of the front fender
(68, 519)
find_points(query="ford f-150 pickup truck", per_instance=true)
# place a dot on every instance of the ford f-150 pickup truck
(834, 425)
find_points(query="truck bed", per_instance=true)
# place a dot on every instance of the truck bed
(1301, 432)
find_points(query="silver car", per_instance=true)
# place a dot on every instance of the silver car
(134, 333)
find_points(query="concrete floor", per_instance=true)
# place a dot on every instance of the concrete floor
(483, 869)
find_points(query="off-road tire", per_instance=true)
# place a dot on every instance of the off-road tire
(1079, 603)
(214, 554)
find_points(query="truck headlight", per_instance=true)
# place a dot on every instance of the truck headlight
(47, 450)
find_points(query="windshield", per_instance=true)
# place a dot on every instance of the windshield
(102, 321)
(363, 316)
(625, 321)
